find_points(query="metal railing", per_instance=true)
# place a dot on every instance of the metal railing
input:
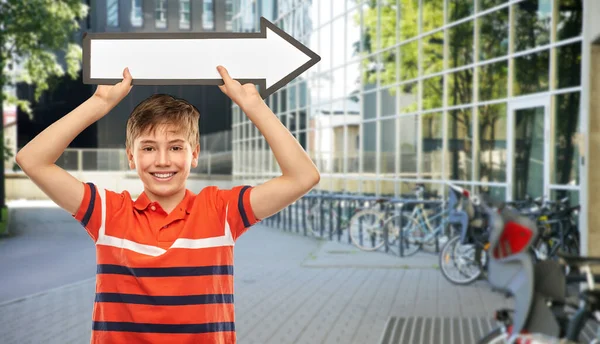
(115, 160)
(294, 217)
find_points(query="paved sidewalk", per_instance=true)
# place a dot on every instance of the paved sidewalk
(289, 289)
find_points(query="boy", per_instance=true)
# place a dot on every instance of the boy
(165, 260)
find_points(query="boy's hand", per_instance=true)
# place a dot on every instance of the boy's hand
(112, 95)
(245, 96)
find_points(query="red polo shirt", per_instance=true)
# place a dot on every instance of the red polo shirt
(165, 278)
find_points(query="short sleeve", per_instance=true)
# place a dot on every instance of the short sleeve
(89, 213)
(236, 202)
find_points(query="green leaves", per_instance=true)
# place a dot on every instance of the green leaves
(39, 36)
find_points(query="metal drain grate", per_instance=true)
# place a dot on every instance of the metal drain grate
(452, 330)
(435, 330)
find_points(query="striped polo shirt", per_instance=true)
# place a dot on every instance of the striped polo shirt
(165, 278)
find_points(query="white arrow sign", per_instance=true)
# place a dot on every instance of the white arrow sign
(270, 58)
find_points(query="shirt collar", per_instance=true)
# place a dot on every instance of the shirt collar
(142, 202)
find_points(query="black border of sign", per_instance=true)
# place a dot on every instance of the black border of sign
(264, 24)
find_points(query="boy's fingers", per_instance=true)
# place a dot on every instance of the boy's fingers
(224, 74)
(127, 77)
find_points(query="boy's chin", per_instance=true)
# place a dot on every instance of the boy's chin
(164, 190)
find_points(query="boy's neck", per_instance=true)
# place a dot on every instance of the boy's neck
(168, 203)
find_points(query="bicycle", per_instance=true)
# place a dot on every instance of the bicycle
(381, 225)
(322, 216)
(543, 312)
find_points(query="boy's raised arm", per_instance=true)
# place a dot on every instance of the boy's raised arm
(37, 159)
(299, 174)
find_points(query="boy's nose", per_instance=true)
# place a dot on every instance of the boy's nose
(162, 159)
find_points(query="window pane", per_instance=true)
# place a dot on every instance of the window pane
(387, 98)
(388, 75)
(338, 27)
(566, 155)
(531, 73)
(370, 104)
(136, 16)
(496, 193)
(353, 148)
(184, 14)
(460, 87)
(532, 23)
(433, 53)
(492, 143)
(433, 136)
(494, 35)
(461, 45)
(324, 10)
(409, 60)
(112, 13)
(487, 4)
(493, 81)
(388, 146)
(409, 128)
(389, 14)
(409, 97)
(338, 149)
(570, 19)
(161, 14)
(409, 17)
(433, 90)
(208, 10)
(353, 35)
(369, 141)
(460, 144)
(460, 9)
(433, 14)
(569, 65)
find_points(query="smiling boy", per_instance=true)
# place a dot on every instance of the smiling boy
(165, 260)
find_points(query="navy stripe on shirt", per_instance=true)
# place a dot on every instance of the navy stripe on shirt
(241, 206)
(165, 272)
(90, 208)
(165, 300)
(163, 328)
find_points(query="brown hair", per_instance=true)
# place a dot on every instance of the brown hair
(163, 109)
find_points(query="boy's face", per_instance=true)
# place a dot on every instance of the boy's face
(163, 159)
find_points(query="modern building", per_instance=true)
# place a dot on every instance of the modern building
(141, 16)
(492, 95)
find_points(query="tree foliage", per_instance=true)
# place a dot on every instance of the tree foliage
(35, 34)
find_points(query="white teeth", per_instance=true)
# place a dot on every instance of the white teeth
(163, 175)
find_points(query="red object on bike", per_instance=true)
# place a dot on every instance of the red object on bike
(513, 240)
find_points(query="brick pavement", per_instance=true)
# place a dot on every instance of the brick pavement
(289, 289)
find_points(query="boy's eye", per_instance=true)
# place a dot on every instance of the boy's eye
(177, 148)
(148, 149)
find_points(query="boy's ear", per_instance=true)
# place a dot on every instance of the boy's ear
(130, 159)
(195, 154)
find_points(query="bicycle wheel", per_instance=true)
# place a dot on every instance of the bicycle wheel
(319, 225)
(411, 231)
(458, 263)
(366, 229)
(497, 336)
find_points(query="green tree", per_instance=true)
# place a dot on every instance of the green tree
(34, 35)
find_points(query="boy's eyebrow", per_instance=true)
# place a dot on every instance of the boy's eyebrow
(152, 141)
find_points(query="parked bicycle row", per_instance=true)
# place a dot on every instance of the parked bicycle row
(464, 258)
(527, 249)
(368, 222)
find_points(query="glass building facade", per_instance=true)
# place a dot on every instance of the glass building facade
(482, 93)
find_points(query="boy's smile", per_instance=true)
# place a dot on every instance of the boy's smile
(163, 158)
